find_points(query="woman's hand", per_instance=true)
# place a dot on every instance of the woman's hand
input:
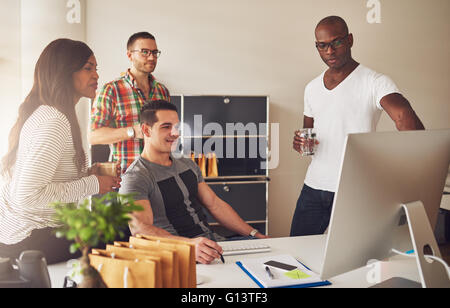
(108, 183)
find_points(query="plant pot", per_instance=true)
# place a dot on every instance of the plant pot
(91, 277)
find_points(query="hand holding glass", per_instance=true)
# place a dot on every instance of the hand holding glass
(109, 168)
(108, 175)
(305, 141)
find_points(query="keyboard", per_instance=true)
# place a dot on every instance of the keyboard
(243, 248)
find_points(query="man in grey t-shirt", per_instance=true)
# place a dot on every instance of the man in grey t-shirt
(173, 191)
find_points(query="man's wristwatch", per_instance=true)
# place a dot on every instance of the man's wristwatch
(253, 232)
(130, 132)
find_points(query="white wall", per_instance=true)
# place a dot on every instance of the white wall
(43, 21)
(26, 27)
(10, 76)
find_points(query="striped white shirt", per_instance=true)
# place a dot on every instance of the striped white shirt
(44, 172)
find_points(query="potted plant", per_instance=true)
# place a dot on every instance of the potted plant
(91, 223)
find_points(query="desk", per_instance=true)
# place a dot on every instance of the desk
(307, 249)
(445, 202)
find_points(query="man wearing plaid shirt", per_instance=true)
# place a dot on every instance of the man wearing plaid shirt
(116, 112)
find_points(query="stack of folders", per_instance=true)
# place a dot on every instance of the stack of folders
(280, 271)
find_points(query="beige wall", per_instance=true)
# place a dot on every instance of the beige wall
(261, 47)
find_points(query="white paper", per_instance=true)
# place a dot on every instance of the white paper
(257, 269)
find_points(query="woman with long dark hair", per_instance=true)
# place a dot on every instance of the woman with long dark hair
(46, 161)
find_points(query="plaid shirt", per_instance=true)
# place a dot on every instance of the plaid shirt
(119, 105)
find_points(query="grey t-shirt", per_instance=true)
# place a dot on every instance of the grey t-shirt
(173, 195)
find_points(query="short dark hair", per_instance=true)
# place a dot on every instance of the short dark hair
(137, 36)
(334, 21)
(148, 111)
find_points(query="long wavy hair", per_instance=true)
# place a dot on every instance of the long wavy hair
(53, 86)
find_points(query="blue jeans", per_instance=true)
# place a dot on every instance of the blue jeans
(313, 212)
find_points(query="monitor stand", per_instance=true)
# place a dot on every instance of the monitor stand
(432, 273)
(397, 283)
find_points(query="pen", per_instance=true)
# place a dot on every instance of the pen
(221, 257)
(269, 272)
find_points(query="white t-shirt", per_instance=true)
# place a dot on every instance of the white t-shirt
(352, 107)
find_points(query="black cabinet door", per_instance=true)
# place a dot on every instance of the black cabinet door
(248, 200)
(176, 100)
(224, 110)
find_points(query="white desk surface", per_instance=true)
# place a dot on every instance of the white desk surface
(307, 249)
(445, 202)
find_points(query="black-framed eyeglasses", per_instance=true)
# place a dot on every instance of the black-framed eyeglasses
(335, 44)
(147, 52)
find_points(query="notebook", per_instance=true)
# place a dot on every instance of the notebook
(300, 277)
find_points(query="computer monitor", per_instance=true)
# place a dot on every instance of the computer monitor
(379, 173)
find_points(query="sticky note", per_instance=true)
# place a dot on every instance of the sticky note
(296, 274)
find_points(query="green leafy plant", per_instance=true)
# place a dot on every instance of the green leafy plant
(91, 223)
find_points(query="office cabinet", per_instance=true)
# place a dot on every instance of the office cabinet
(235, 128)
(237, 155)
(247, 198)
(226, 111)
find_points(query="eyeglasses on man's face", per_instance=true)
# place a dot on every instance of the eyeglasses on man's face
(335, 44)
(147, 52)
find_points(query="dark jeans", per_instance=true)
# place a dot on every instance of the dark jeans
(313, 212)
(55, 250)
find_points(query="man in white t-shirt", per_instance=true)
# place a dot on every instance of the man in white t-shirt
(346, 98)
